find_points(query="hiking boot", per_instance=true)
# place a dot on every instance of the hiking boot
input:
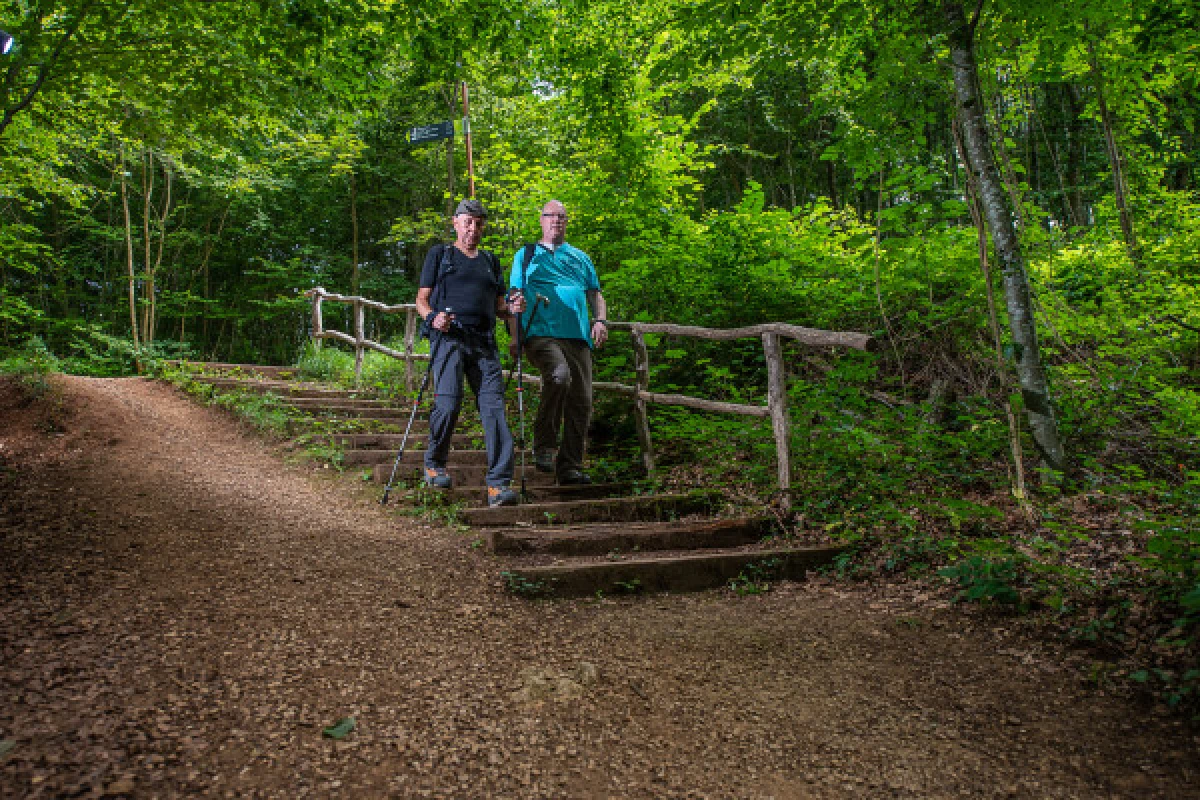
(574, 477)
(502, 496)
(543, 460)
(438, 478)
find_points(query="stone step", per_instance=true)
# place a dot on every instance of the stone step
(675, 573)
(613, 509)
(626, 538)
(463, 474)
(476, 496)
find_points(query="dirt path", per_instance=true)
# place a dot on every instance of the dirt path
(181, 614)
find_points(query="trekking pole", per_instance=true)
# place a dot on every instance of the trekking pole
(521, 398)
(404, 441)
(539, 300)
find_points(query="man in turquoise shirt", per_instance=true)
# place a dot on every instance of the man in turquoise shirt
(560, 341)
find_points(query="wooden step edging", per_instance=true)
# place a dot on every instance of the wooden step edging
(476, 496)
(688, 573)
(594, 540)
(613, 509)
(648, 547)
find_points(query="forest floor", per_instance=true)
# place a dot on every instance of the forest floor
(182, 611)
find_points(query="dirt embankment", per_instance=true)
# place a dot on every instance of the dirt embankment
(181, 613)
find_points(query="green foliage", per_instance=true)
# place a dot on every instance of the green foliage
(518, 584)
(32, 366)
(319, 362)
(984, 580)
(264, 412)
(755, 577)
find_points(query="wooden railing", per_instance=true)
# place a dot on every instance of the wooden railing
(770, 333)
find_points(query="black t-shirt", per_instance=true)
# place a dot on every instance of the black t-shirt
(469, 286)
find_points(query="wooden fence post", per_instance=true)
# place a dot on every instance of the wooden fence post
(360, 314)
(641, 361)
(410, 340)
(317, 322)
(777, 404)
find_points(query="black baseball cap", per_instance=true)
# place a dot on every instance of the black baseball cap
(471, 206)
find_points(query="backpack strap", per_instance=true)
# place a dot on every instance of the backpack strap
(444, 265)
(527, 253)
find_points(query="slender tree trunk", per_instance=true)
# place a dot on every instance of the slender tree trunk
(1010, 175)
(1014, 430)
(133, 320)
(353, 235)
(831, 178)
(162, 241)
(148, 278)
(1074, 107)
(1068, 211)
(791, 170)
(1030, 374)
(1120, 186)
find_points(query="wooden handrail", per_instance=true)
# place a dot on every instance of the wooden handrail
(770, 333)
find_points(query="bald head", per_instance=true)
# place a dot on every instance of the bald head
(554, 223)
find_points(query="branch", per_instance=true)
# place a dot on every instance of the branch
(975, 19)
(44, 72)
(1181, 323)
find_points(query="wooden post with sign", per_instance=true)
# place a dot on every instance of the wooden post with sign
(467, 139)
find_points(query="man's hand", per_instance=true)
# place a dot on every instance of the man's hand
(516, 301)
(442, 321)
(599, 333)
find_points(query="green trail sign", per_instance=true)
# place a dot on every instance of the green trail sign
(431, 133)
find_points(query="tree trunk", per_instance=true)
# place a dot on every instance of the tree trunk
(133, 320)
(1014, 431)
(1027, 355)
(1074, 107)
(1010, 175)
(148, 279)
(1120, 186)
(162, 241)
(353, 235)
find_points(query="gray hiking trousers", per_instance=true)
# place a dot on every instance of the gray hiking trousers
(473, 356)
(566, 368)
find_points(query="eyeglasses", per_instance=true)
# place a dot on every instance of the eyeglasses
(554, 215)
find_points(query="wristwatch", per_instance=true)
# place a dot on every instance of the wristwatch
(603, 322)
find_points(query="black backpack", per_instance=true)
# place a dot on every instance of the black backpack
(444, 267)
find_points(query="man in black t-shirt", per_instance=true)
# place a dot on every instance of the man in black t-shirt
(461, 293)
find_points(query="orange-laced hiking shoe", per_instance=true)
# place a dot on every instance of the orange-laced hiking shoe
(501, 496)
(438, 478)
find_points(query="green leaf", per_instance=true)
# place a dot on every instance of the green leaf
(340, 729)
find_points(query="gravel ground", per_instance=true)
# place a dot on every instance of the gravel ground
(182, 613)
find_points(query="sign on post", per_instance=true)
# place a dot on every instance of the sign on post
(431, 133)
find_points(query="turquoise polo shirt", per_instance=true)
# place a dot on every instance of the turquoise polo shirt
(564, 275)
